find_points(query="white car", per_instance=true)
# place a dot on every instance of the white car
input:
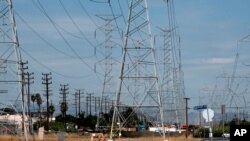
(226, 135)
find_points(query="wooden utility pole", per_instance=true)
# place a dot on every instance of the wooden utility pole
(87, 106)
(22, 68)
(89, 103)
(76, 94)
(47, 81)
(29, 78)
(186, 99)
(223, 107)
(105, 101)
(97, 105)
(79, 92)
(64, 91)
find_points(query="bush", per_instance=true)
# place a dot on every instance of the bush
(56, 126)
(204, 132)
(38, 124)
(218, 131)
(201, 133)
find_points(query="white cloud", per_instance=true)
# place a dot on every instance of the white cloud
(217, 60)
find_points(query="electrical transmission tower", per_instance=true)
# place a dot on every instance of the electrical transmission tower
(10, 57)
(167, 79)
(107, 63)
(11, 71)
(172, 83)
(138, 88)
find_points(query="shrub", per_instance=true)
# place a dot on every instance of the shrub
(201, 133)
(56, 126)
(204, 132)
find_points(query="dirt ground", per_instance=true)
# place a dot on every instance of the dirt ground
(74, 137)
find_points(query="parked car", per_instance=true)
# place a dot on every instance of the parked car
(226, 135)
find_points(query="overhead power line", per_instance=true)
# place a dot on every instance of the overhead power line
(55, 72)
(42, 9)
(41, 37)
(75, 24)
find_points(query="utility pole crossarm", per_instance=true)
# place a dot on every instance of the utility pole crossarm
(47, 82)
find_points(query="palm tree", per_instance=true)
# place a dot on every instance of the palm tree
(64, 108)
(33, 99)
(51, 110)
(39, 103)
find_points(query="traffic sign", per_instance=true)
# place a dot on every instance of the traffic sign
(200, 107)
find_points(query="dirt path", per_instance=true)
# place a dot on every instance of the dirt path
(74, 137)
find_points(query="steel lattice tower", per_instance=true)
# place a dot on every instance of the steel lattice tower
(167, 79)
(172, 83)
(10, 57)
(138, 81)
(11, 65)
(108, 63)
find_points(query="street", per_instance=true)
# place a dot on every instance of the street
(215, 139)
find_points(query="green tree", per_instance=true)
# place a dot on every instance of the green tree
(39, 102)
(33, 99)
(90, 121)
(64, 108)
(56, 126)
(51, 110)
(7, 111)
(131, 117)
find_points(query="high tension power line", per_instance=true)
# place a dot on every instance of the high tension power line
(138, 87)
(108, 62)
(11, 64)
(172, 83)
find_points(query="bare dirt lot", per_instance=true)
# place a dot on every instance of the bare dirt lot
(74, 137)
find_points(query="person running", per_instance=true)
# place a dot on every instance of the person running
(102, 137)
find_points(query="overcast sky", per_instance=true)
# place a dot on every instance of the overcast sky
(53, 40)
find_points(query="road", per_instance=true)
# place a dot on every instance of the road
(215, 139)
